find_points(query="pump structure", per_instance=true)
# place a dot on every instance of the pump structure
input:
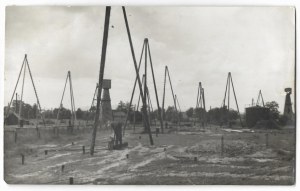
(25, 65)
(101, 74)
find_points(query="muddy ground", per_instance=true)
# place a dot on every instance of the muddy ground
(191, 155)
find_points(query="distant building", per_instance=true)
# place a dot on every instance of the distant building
(255, 114)
(13, 119)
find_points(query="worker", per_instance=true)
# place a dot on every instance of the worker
(70, 128)
(117, 127)
(157, 130)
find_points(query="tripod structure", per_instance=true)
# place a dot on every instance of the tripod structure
(23, 69)
(147, 53)
(164, 94)
(101, 74)
(73, 110)
(260, 98)
(200, 104)
(227, 93)
(93, 102)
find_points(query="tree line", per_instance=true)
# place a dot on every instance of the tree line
(214, 115)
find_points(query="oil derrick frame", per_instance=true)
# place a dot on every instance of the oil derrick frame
(24, 65)
(73, 110)
(92, 104)
(149, 106)
(227, 91)
(146, 52)
(101, 74)
(164, 93)
(201, 101)
(260, 97)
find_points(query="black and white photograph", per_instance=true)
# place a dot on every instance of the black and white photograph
(149, 95)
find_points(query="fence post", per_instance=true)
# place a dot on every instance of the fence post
(267, 140)
(23, 158)
(16, 136)
(222, 145)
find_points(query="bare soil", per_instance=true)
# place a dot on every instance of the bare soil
(189, 155)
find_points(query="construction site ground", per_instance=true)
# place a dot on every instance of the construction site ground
(187, 155)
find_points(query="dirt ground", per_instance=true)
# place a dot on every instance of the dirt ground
(190, 155)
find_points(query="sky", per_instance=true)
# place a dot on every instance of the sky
(198, 44)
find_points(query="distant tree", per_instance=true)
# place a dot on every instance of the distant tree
(34, 110)
(233, 115)
(273, 106)
(190, 112)
(92, 109)
(214, 115)
(199, 112)
(121, 106)
(63, 114)
(49, 114)
(171, 114)
(221, 115)
(79, 113)
(138, 117)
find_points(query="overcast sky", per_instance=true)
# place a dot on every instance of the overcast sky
(255, 44)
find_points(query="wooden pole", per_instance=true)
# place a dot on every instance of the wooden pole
(146, 121)
(12, 97)
(155, 89)
(23, 158)
(222, 145)
(102, 65)
(237, 105)
(163, 101)
(35, 92)
(133, 91)
(134, 118)
(16, 136)
(62, 97)
(21, 104)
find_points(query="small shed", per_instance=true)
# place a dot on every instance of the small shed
(13, 119)
(255, 114)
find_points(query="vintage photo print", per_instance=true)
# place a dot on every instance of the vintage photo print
(149, 95)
